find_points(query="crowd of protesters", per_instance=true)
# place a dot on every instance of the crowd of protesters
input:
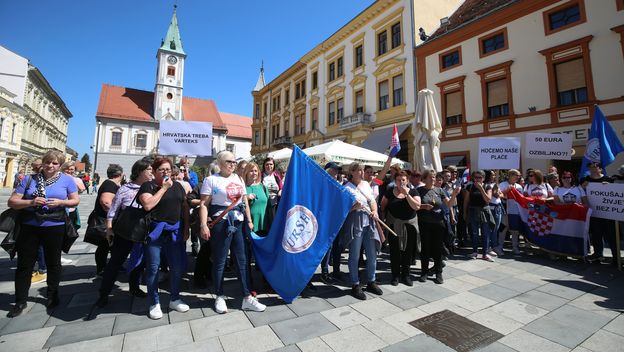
(424, 215)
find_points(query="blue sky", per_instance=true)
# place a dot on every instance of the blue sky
(81, 44)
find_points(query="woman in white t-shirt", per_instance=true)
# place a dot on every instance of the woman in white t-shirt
(360, 229)
(568, 192)
(537, 187)
(218, 193)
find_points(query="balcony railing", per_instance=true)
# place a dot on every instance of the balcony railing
(357, 119)
(283, 140)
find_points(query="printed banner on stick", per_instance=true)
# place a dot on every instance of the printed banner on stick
(499, 153)
(549, 146)
(606, 200)
(185, 138)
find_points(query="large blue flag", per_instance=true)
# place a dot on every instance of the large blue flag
(603, 144)
(310, 213)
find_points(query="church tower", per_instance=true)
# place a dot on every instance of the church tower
(169, 75)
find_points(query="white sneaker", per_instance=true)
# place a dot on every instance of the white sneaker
(251, 303)
(155, 312)
(220, 305)
(66, 261)
(493, 253)
(179, 306)
(487, 258)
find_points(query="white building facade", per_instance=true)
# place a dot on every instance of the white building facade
(528, 66)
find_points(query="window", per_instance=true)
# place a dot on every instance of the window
(297, 125)
(397, 90)
(314, 118)
(279, 102)
(265, 109)
(116, 138)
(264, 136)
(314, 80)
(453, 103)
(13, 130)
(256, 137)
(450, 59)
(564, 16)
(396, 35)
(297, 92)
(286, 127)
(359, 56)
(257, 111)
(141, 140)
(340, 68)
(1, 126)
(497, 103)
(287, 97)
(331, 113)
(332, 71)
(383, 96)
(340, 114)
(303, 88)
(229, 147)
(359, 102)
(382, 43)
(170, 71)
(571, 85)
(493, 43)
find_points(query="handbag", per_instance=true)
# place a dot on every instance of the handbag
(10, 222)
(132, 223)
(96, 230)
(71, 234)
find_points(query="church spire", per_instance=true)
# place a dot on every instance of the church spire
(172, 41)
(260, 84)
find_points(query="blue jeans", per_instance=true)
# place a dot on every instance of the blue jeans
(366, 239)
(220, 243)
(474, 215)
(497, 212)
(42, 267)
(173, 252)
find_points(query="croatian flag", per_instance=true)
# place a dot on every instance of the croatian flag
(395, 146)
(466, 175)
(310, 213)
(560, 229)
(603, 144)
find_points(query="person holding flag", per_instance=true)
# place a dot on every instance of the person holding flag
(603, 145)
(304, 226)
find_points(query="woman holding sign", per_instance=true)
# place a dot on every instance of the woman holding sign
(223, 198)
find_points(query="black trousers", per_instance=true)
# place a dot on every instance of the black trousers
(120, 250)
(601, 230)
(400, 261)
(28, 242)
(203, 265)
(432, 237)
(101, 255)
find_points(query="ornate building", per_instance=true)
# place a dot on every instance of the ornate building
(353, 86)
(46, 117)
(128, 119)
(12, 118)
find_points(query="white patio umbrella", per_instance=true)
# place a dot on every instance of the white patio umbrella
(426, 130)
(345, 153)
(282, 154)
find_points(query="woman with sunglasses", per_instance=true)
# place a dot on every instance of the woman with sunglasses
(536, 187)
(224, 199)
(569, 192)
(165, 200)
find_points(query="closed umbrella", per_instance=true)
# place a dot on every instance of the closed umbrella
(426, 130)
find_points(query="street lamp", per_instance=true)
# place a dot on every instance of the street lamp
(97, 142)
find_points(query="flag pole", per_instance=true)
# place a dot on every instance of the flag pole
(618, 254)
(381, 222)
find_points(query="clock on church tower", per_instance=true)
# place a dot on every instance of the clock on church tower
(170, 75)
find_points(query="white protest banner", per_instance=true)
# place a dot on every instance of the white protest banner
(499, 153)
(606, 200)
(185, 138)
(548, 146)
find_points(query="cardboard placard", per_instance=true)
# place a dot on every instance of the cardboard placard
(606, 200)
(550, 146)
(185, 138)
(499, 153)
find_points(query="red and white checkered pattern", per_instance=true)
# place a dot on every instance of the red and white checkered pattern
(541, 224)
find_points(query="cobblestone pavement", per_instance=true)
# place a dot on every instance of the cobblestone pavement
(538, 304)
